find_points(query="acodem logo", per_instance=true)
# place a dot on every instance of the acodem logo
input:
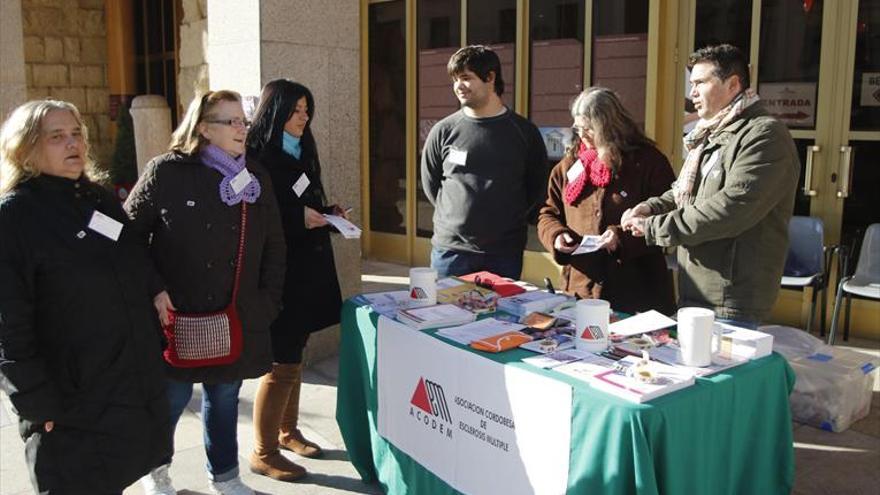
(428, 404)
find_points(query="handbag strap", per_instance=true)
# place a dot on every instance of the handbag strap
(238, 261)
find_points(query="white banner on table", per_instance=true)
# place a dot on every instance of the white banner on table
(482, 427)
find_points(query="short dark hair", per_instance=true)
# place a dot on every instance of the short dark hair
(727, 59)
(479, 59)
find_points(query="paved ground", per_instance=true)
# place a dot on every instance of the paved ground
(826, 463)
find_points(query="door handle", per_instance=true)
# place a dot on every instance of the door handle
(808, 173)
(845, 170)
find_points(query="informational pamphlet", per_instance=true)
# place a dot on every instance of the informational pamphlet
(589, 244)
(346, 228)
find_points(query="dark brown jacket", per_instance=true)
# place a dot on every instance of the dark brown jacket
(634, 277)
(194, 244)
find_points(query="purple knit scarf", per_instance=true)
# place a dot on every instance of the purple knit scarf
(221, 161)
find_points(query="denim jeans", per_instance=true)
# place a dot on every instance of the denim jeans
(219, 420)
(452, 263)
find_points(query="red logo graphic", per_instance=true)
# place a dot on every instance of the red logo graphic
(418, 293)
(420, 397)
(428, 396)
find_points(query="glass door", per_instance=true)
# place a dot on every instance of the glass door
(816, 66)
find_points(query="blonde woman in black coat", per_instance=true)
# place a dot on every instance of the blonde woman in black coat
(80, 352)
(281, 139)
(186, 206)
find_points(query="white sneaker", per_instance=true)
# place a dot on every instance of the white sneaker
(158, 482)
(232, 487)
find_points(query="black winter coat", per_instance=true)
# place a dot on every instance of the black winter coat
(312, 299)
(79, 340)
(193, 239)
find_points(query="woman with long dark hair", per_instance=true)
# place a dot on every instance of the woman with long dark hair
(281, 139)
(610, 166)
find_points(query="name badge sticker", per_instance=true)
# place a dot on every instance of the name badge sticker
(240, 181)
(713, 159)
(105, 226)
(299, 187)
(457, 157)
(575, 171)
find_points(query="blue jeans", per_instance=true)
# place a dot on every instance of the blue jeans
(751, 325)
(219, 420)
(453, 263)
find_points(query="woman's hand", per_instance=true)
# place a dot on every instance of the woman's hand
(564, 243)
(313, 219)
(341, 212)
(609, 241)
(163, 305)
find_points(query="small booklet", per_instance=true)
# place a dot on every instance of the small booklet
(346, 228)
(438, 315)
(552, 359)
(502, 286)
(487, 327)
(586, 366)
(589, 244)
(385, 303)
(671, 354)
(530, 302)
(468, 296)
(658, 380)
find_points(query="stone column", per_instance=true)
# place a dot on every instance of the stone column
(13, 81)
(152, 127)
(316, 43)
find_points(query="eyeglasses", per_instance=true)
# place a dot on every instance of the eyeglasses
(236, 122)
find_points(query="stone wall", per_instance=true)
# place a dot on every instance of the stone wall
(192, 77)
(65, 55)
(13, 84)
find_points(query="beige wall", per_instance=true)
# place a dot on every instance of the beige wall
(193, 75)
(65, 55)
(13, 83)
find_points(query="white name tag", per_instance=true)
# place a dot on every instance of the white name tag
(299, 187)
(240, 181)
(713, 159)
(457, 157)
(105, 226)
(575, 171)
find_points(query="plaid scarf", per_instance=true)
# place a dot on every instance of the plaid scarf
(696, 140)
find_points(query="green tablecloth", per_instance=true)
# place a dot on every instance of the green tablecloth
(728, 434)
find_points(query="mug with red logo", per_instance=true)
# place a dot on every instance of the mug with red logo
(422, 286)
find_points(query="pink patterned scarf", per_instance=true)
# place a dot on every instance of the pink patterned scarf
(595, 170)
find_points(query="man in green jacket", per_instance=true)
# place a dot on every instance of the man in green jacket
(729, 209)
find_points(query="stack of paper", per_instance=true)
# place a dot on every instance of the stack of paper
(385, 303)
(346, 228)
(671, 354)
(438, 315)
(529, 302)
(487, 327)
(750, 344)
(641, 323)
(666, 379)
(467, 295)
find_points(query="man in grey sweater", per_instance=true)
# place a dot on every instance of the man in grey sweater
(484, 168)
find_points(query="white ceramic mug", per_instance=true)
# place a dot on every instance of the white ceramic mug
(696, 327)
(423, 286)
(591, 324)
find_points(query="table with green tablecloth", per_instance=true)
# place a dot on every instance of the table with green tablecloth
(730, 433)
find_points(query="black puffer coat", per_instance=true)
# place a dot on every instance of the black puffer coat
(312, 299)
(79, 340)
(193, 236)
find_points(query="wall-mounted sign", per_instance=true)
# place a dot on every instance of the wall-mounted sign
(792, 103)
(870, 89)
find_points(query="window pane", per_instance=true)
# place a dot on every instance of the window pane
(724, 21)
(862, 207)
(620, 51)
(788, 72)
(865, 114)
(493, 23)
(556, 75)
(387, 66)
(439, 32)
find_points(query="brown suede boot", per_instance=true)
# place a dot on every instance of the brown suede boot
(290, 437)
(269, 405)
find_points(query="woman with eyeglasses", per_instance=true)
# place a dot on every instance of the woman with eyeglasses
(212, 225)
(79, 340)
(609, 167)
(281, 139)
